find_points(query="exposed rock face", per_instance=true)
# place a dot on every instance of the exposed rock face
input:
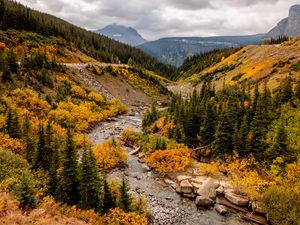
(289, 26)
(208, 189)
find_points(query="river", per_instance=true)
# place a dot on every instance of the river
(165, 205)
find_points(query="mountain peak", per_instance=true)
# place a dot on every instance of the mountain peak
(289, 26)
(127, 35)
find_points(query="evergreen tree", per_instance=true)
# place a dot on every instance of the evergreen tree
(279, 146)
(286, 90)
(222, 144)
(12, 61)
(68, 188)
(125, 198)
(12, 124)
(241, 144)
(27, 139)
(90, 185)
(207, 129)
(6, 75)
(297, 89)
(41, 158)
(108, 199)
(53, 180)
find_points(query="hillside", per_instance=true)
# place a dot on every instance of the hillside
(251, 64)
(126, 35)
(16, 16)
(175, 50)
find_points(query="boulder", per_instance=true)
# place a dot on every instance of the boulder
(255, 206)
(145, 167)
(208, 188)
(221, 209)
(196, 186)
(204, 201)
(220, 190)
(199, 180)
(186, 187)
(183, 177)
(190, 195)
(236, 199)
(168, 181)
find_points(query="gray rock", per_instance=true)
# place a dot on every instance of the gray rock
(183, 177)
(255, 206)
(145, 167)
(208, 188)
(186, 187)
(204, 201)
(289, 26)
(220, 190)
(221, 209)
(236, 199)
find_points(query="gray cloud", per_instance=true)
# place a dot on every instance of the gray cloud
(162, 18)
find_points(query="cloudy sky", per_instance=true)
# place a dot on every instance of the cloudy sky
(165, 18)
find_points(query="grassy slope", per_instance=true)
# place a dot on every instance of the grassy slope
(254, 64)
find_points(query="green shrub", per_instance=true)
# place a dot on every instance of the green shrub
(282, 206)
(18, 178)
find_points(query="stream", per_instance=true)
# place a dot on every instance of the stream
(165, 205)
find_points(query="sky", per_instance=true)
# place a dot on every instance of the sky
(155, 19)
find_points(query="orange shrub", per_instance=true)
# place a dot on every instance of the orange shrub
(8, 143)
(173, 160)
(119, 217)
(110, 154)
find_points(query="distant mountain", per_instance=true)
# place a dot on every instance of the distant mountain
(175, 50)
(289, 26)
(123, 34)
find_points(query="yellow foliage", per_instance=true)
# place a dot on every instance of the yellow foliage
(163, 125)
(77, 91)
(3, 47)
(2, 122)
(210, 169)
(93, 96)
(110, 154)
(245, 178)
(173, 160)
(129, 135)
(82, 140)
(119, 217)
(8, 143)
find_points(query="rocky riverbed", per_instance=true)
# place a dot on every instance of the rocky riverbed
(165, 205)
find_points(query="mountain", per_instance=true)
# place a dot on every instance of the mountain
(250, 65)
(14, 15)
(175, 50)
(289, 27)
(126, 35)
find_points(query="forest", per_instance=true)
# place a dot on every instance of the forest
(14, 15)
(252, 134)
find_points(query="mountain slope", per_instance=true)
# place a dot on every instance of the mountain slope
(175, 50)
(251, 64)
(126, 35)
(16, 16)
(289, 27)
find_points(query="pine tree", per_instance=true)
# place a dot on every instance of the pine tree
(27, 139)
(108, 199)
(68, 188)
(286, 90)
(207, 129)
(222, 144)
(279, 146)
(41, 159)
(12, 61)
(12, 124)
(53, 180)
(125, 198)
(90, 185)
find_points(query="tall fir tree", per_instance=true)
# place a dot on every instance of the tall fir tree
(207, 129)
(28, 140)
(12, 124)
(108, 199)
(125, 199)
(41, 159)
(90, 185)
(68, 188)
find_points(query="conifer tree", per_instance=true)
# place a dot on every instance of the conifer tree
(297, 90)
(90, 185)
(125, 198)
(207, 129)
(286, 90)
(68, 188)
(12, 61)
(108, 199)
(27, 138)
(53, 180)
(12, 124)
(41, 160)
(222, 144)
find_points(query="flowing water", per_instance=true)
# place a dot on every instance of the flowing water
(165, 205)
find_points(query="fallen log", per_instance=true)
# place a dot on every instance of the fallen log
(255, 218)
